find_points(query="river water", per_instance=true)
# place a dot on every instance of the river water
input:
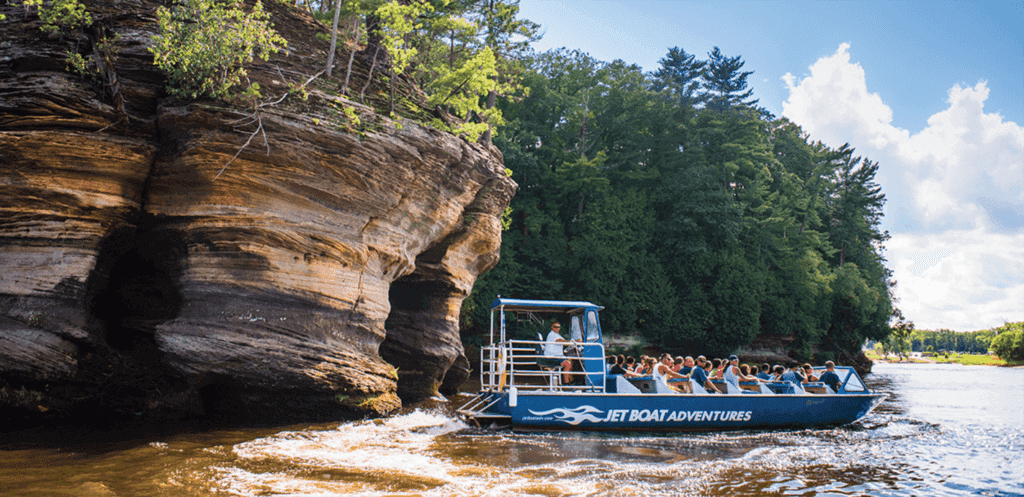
(945, 430)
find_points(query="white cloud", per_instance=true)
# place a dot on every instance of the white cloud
(962, 280)
(955, 192)
(968, 166)
(833, 104)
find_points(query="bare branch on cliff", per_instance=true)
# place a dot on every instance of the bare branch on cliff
(369, 77)
(103, 57)
(257, 118)
(351, 55)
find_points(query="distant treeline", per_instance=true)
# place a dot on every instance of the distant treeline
(699, 220)
(975, 342)
(1006, 341)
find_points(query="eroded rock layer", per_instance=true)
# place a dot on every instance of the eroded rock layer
(145, 268)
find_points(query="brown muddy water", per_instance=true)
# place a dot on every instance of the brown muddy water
(945, 430)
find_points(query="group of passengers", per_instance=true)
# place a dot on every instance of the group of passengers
(700, 370)
(705, 371)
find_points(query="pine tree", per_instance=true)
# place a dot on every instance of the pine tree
(681, 75)
(726, 83)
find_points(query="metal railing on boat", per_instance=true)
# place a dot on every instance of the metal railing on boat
(515, 363)
(477, 408)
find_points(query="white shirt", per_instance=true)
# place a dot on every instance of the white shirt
(657, 374)
(552, 348)
(730, 376)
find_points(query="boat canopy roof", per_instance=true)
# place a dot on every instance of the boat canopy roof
(542, 305)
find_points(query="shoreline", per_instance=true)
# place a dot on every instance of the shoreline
(924, 360)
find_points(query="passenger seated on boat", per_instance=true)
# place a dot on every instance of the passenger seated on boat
(765, 373)
(645, 366)
(749, 373)
(614, 366)
(662, 371)
(677, 364)
(687, 366)
(733, 374)
(809, 373)
(554, 354)
(717, 365)
(829, 377)
(641, 369)
(700, 361)
(700, 376)
(793, 374)
(777, 372)
(630, 364)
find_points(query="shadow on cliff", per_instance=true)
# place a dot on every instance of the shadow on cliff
(422, 338)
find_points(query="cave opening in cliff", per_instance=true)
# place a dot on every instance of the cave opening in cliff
(422, 337)
(138, 296)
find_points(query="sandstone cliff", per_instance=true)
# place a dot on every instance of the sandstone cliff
(318, 274)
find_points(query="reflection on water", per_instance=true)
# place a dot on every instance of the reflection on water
(945, 430)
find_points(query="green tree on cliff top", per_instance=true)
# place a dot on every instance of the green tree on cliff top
(191, 46)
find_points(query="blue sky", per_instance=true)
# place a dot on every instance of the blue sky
(933, 91)
(913, 52)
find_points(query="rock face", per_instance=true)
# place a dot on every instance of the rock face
(143, 271)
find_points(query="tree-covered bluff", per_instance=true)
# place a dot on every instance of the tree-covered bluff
(703, 223)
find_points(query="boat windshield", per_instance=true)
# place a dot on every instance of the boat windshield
(577, 332)
(593, 330)
(853, 383)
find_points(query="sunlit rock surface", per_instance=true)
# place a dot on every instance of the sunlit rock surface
(142, 270)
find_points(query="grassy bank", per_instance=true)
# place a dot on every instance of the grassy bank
(973, 360)
(952, 358)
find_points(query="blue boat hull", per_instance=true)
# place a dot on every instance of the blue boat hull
(604, 411)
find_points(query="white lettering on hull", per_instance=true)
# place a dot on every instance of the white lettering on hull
(594, 415)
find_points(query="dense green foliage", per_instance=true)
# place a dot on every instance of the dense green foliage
(63, 16)
(1009, 343)
(464, 54)
(205, 45)
(469, 53)
(698, 219)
